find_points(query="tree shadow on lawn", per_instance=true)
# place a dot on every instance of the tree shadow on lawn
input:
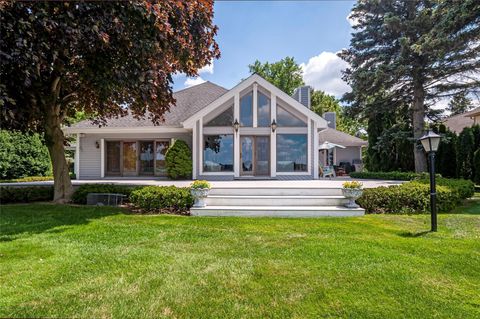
(18, 219)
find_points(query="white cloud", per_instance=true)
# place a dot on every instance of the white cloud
(193, 81)
(207, 68)
(324, 72)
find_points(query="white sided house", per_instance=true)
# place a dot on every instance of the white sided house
(252, 131)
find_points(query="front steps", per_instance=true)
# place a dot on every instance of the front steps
(276, 202)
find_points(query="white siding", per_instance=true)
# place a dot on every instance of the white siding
(348, 154)
(90, 155)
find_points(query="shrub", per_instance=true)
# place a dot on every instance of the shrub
(414, 197)
(22, 155)
(200, 184)
(179, 160)
(463, 187)
(26, 194)
(395, 175)
(408, 198)
(476, 165)
(163, 199)
(80, 194)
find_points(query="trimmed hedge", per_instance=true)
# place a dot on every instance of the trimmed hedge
(414, 197)
(80, 194)
(163, 199)
(26, 194)
(395, 175)
(465, 188)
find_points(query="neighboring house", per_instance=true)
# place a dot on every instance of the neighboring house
(276, 136)
(458, 122)
(352, 152)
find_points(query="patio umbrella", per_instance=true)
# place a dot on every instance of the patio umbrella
(328, 146)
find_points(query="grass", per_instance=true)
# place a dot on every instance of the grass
(91, 262)
(32, 179)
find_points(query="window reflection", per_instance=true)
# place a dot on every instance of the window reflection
(292, 152)
(218, 153)
(246, 110)
(285, 118)
(263, 110)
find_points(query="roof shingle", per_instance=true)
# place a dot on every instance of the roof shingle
(188, 102)
(337, 137)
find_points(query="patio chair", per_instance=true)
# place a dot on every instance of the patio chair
(327, 171)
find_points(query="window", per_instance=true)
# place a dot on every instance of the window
(292, 153)
(113, 158)
(285, 118)
(246, 110)
(263, 110)
(218, 153)
(224, 119)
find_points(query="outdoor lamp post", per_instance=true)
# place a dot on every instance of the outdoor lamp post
(430, 142)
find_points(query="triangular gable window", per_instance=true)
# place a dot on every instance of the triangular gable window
(287, 119)
(224, 119)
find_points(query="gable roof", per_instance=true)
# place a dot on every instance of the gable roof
(188, 102)
(337, 137)
(458, 122)
(255, 78)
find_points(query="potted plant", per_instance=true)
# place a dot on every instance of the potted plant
(352, 191)
(199, 190)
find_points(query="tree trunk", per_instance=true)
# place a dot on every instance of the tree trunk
(55, 139)
(418, 127)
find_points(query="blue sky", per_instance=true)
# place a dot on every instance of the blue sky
(310, 31)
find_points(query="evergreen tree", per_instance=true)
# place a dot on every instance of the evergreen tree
(416, 51)
(465, 150)
(459, 104)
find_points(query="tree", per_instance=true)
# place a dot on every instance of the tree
(416, 51)
(60, 58)
(465, 150)
(22, 155)
(459, 104)
(322, 102)
(179, 160)
(285, 74)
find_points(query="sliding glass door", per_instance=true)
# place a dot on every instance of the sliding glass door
(255, 155)
(146, 158)
(129, 158)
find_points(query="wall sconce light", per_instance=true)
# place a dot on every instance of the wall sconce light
(274, 125)
(236, 125)
(97, 144)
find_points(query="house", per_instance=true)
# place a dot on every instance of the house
(254, 130)
(458, 122)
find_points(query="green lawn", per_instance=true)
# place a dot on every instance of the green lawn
(87, 262)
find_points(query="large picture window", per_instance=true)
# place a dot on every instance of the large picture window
(292, 153)
(246, 110)
(218, 153)
(263, 110)
(287, 119)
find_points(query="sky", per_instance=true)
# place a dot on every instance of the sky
(310, 31)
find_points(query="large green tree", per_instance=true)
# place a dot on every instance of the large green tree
(285, 74)
(416, 51)
(59, 58)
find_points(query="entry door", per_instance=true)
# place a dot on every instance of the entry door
(129, 158)
(255, 155)
(160, 153)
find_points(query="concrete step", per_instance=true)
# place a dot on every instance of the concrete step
(268, 200)
(277, 211)
(278, 191)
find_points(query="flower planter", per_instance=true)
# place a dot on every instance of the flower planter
(199, 195)
(352, 194)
